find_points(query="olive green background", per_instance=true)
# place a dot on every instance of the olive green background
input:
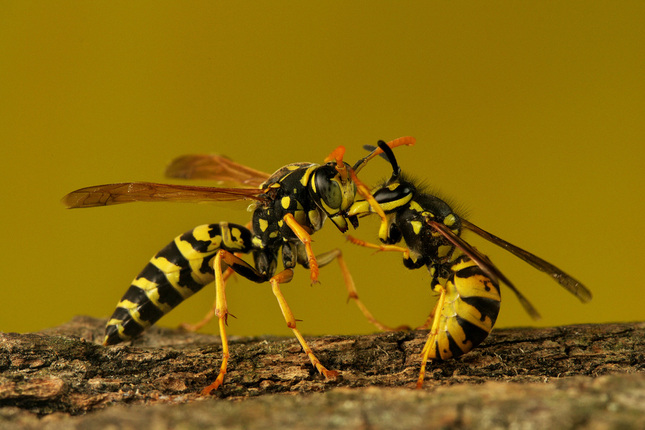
(527, 115)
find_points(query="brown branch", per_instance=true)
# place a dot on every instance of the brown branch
(66, 370)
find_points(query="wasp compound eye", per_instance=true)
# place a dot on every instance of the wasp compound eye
(330, 192)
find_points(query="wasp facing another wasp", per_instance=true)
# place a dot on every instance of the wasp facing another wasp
(288, 207)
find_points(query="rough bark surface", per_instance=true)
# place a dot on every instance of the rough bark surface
(584, 376)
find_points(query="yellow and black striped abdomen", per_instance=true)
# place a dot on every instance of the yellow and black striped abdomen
(175, 273)
(469, 310)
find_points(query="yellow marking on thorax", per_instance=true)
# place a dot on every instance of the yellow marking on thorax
(397, 204)
(263, 224)
(286, 202)
(415, 206)
(443, 250)
(416, 226)
(450, 220)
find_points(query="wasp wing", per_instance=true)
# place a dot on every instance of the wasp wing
(485, 264)
(571, 284)
(126, 192)
(215, 167)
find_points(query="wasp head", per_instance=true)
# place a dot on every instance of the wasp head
(333, 191)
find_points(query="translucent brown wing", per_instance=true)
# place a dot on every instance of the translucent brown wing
(571, 284)
(126, 192)
(215, 167)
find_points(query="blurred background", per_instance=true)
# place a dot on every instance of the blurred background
(528, 117)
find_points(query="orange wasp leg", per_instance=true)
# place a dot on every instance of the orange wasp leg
(305, 238)
(221, 310)
(359, 242)
(211, 313)
(283, 277)
(328, 257)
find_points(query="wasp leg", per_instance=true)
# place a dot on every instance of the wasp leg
(432, 336)
(362, 189)
(240, 266)
(211, 313)
(305, 238)
(328, 257)
(359, 242)
(221, 310)
(283, 277)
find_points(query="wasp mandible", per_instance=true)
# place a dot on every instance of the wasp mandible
(287, 207)
(466, 281)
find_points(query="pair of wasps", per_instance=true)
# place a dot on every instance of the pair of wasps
(287, 208)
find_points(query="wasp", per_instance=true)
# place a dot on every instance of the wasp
(287, 207)
(466, 281)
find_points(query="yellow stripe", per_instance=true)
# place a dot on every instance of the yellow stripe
(151, 290)
(171, 273)
(164, 265)
(133, 312)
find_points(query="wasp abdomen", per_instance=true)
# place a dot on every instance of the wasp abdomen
(175, 273)
(471, 306)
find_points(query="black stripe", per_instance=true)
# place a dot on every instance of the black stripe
(474, 334)
(172, 253)
(206, 265)
(487, 306)
(112, 335)
(120, 314)
(469, 271)
(453, 346)
(131, 328)
(214, 230)
(153, 274)
(186, 280)
(136, 295)
(147, 312)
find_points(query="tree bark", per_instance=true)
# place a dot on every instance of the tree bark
(584, 376)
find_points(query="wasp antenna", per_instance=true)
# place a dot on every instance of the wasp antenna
(337, 155)
(396, 170)
(406, 140)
